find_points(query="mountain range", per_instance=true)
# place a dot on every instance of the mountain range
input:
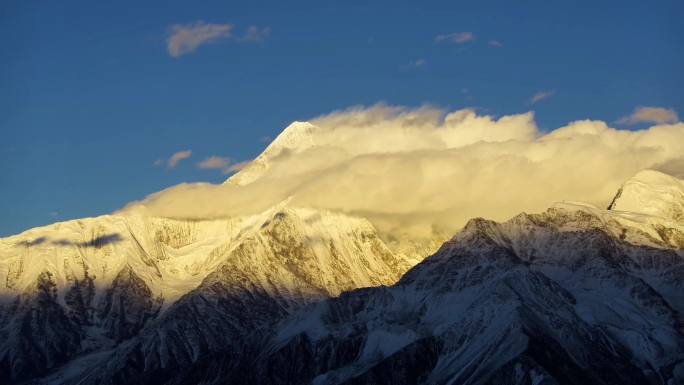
(298, 295)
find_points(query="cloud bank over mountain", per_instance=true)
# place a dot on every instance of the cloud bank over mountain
(416, 170)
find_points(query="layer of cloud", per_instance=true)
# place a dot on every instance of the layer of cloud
(177, 157)
(185, 38)
(650, 115)
(455, 37)
(541, 95)
(417, 170)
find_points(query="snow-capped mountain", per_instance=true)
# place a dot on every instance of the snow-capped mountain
(296, 137)
(652, 192)
(79, 287)
(294, 295)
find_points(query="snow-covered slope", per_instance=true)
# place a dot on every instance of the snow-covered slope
(171, 256)
(654, 193)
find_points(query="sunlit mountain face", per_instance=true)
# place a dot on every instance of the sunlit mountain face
(357, 193)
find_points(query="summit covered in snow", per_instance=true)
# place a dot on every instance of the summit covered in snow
(654, 193)
(298, 136)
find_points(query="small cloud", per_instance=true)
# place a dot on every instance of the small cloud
(418, 63)
(185, 38)
(177, 157)
(455, 37)
(159, 162)
(237, 166)
(541, 95)
(255, 34)
(650, 115)
(495, 43)
(214, 162)
(265, 139)
(54, 213)
(415, 64)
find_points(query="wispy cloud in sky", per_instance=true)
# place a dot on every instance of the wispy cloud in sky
(214, 162)
(255, 34)
(650, 115)
(495, 43)
(224, 164)
(415, 64)
(418, 63)
(455, 37)
(185, 38)
(177, 158)
(541, 95)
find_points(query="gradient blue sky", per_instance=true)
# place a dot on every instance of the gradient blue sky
(91, 97)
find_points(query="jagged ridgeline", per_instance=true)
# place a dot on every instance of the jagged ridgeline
(294, 295)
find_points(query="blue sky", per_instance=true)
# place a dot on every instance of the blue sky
(94, 93)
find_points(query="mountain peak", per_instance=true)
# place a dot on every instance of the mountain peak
(298, 136)
(651, 192)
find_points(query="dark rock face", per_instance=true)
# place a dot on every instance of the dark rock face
(410, 365)
(127, 306)
(40, 331)
(37, 334)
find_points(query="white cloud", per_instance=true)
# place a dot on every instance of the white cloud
(455, 37)
(185, 38)
(214, 162)
(650, 115)
(415, 170)
(177, 158)
(541, 95)
(255, 34)
(495, 43)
